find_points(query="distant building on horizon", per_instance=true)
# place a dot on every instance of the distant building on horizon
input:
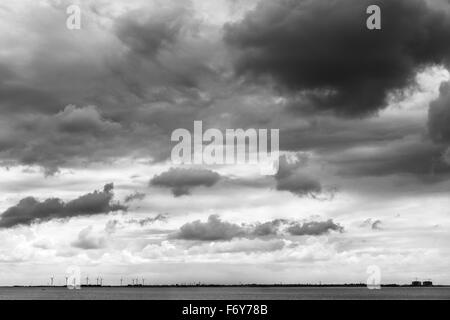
(427, 283)
(416, 283)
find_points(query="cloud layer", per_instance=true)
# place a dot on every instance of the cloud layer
(359, 111)
(29, 210)
(323, 49)
(215, 229)
(439, 116)
(182, 180)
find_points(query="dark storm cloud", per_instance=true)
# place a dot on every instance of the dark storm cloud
(148, 72)
(66, 137)
(299, 184)
(75, 136)
(212, 230)
(181, 180)
(87, 120)
(326, 133)
(446, 156)
(140, 72)
(289, 178)
(323, 50)
(439, 116)
(216, 229)
(164, 50)
(30, 210)
(147, 35)
(16, 96)
(314, 228)
(268, 228)
(134, 196)
(409, 156)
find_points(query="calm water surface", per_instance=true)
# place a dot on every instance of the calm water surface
(227, 293)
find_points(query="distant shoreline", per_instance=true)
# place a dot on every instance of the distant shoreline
(356, 285)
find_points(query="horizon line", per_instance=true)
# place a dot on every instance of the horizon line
(229, 285)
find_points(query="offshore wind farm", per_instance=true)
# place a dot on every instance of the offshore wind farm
(135, 288)
(216, 292)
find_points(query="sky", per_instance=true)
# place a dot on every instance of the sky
(86, 177)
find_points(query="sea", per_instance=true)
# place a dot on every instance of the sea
(224, 293)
